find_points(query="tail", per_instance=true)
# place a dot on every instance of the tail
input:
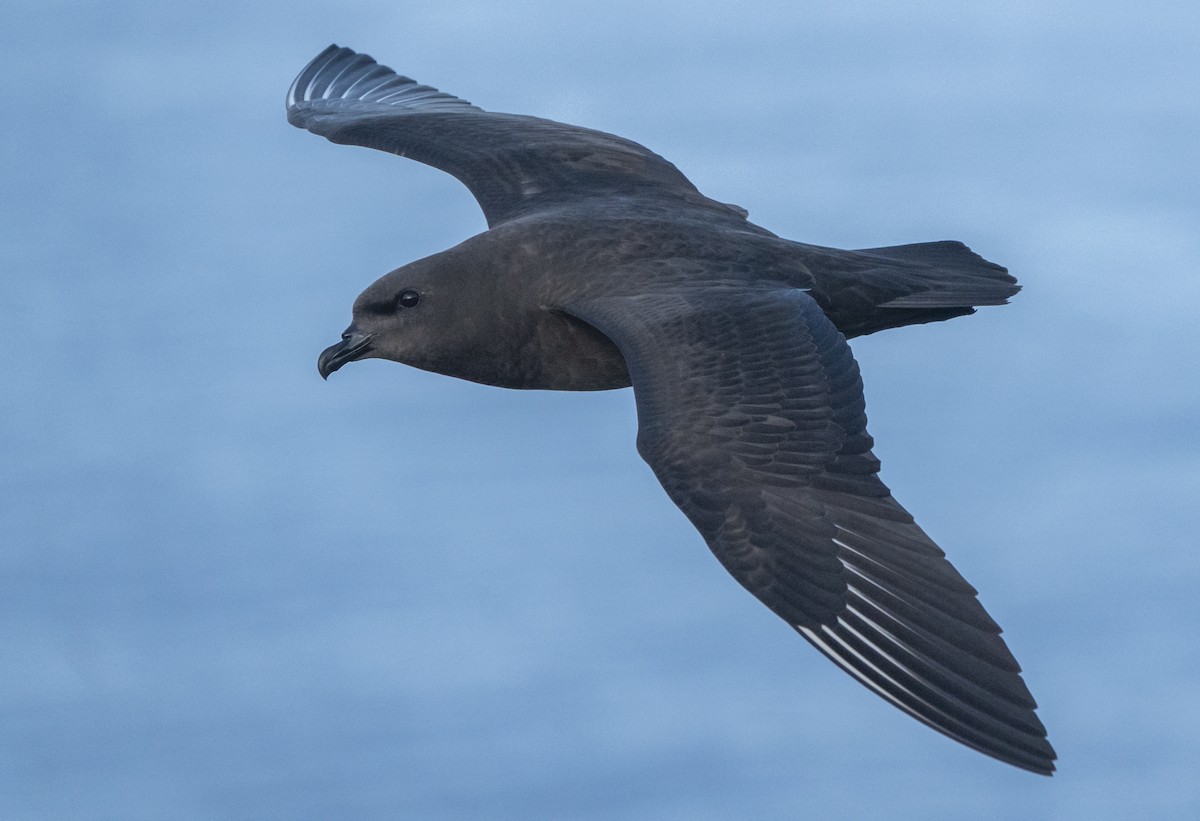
(924, 282)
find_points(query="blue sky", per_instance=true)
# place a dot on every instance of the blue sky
(231, 590)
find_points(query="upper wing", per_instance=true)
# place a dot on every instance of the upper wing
(512, 164)
(751, 414)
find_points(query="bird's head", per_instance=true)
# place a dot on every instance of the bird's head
(434, 314)
(396, 318)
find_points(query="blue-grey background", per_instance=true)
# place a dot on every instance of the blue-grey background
(231, 590)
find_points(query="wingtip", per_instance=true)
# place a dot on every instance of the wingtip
(1044, 767)
(1038, 764)
(300, 87)
(1026, 748)
(340, 78)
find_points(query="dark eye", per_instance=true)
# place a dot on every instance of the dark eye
(408, 298)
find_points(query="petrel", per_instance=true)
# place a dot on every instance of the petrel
(604, 267)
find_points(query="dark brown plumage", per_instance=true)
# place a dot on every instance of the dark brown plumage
(604, 267)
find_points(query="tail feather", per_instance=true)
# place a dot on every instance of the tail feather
(912, 284)
(955, 276)
(946, 252)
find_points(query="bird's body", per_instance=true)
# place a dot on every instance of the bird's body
(589, 249)
(604, 267)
